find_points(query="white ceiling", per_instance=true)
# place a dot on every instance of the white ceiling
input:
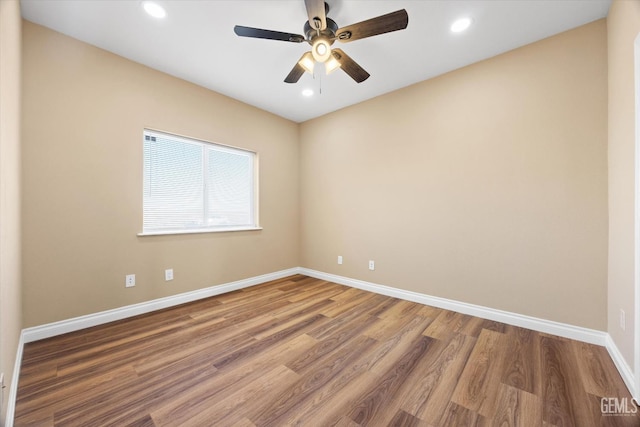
(196, 42)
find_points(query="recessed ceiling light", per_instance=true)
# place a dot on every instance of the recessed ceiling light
(307, 92)
(460, 25)
(154, 9)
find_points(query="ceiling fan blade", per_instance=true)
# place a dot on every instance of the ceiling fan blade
(351, 67)
(393, 21)
(317, 13)
(295, 73)
(267, 34)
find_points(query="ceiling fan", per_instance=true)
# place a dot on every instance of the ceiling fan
(321, 32)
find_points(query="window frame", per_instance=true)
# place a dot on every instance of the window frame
(223, 148)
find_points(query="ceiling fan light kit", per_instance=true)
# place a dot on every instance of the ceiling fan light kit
(332, 64)
(321, 32)
(307, 62)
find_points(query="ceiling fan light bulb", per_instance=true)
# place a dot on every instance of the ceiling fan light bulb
(307, 62)
(321, 50)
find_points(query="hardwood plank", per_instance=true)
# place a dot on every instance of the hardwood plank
(346, 320)
(598, 373)
(72, 392)
(517, 408)
(347, 304)
(144, 421)
(230, 381)
(404, 419)
(474, 325)
(383, 306)
(439, 375)
(300, 282)
(478, 386)
(327, 369)
(95, 335)
(562, 391)
(345, 422)
(401, 310)
(318, 287)
(370, 406)
(445, 324)
(245, 422)
(38, 373)
(521, 363)
(96, 340)
(456, 415)
(349, 294)
(428, 311)
(247, 351)
(394, 347)
(227, 410)
(285, 321)
(383, 331)
(332, 400)
(134, 399)
(159, 358)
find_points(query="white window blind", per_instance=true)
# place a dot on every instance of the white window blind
(191, 185)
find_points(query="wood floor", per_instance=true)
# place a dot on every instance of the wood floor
(301, 351)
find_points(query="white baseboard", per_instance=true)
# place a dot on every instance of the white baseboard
(560, 329)
(623, 367)
(70, 325)
(541, 325)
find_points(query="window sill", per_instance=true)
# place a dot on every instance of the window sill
(198, 231)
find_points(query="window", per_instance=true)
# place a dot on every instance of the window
(196, 186)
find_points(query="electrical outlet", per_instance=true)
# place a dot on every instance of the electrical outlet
(130, 281)
(623, 320)
(168, 274)
(372, 265)
(339, 259)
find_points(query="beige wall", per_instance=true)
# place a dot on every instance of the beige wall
(84, 110)
(623, 26)
(486, 185)
(10, 304)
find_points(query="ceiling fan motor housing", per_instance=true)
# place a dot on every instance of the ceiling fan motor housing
(329, 32)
